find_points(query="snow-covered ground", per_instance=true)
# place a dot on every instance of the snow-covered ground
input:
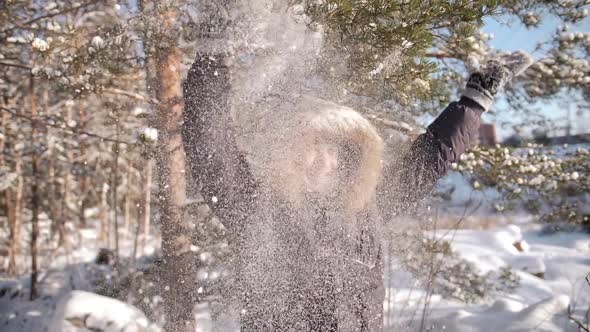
(551, 271)
(66, 301)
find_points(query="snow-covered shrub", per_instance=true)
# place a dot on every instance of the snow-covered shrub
(455, 278)
(138, 286)
(84, 311)
(552, 183)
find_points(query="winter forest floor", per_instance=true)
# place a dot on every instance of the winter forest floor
(545, 285)
(500, 278)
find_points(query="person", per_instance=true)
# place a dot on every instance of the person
(306, 225)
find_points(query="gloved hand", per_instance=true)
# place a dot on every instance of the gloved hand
(483, 85)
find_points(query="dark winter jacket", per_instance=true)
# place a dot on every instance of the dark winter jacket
(319, 282)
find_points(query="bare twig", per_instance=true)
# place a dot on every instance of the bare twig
(66, 129)
(50, 15)
(570, 316)
(130, 94)
(439, 55)
(15, 65)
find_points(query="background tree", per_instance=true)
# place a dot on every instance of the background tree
(59, 44)
(416, 51)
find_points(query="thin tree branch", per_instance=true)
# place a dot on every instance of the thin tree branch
(115, 91)
(570, 316)
(66, 129)
(15, 65)
(439, 55)
(50, 15)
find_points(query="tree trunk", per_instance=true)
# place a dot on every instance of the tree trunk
(34, 193)
(136, 231)
(176, 270)
(15, 202)
(51, 184)
(147, 201)
(66, 184)
(128, 201)
(104, 215)
(49, 193)
(114, 182)
(4, 120)
(7, 197)
(83, 178)
(150, 84)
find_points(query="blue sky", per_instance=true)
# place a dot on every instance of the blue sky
(512, 35)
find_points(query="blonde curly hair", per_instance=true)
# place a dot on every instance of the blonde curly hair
(360, 150)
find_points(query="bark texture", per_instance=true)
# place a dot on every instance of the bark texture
(176, 270)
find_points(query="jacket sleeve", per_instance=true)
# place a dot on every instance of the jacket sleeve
(216, 164)
(431, 155)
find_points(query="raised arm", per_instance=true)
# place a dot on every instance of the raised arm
(451, 133)
(209, 138)
(432, 153)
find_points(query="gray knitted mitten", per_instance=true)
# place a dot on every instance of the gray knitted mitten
(483, 85)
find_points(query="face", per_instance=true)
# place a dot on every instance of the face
(320, 164)
(315, 168)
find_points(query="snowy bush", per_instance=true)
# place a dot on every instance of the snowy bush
(551, 183)
(455, 278)
(138, 286)
(83, 311)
